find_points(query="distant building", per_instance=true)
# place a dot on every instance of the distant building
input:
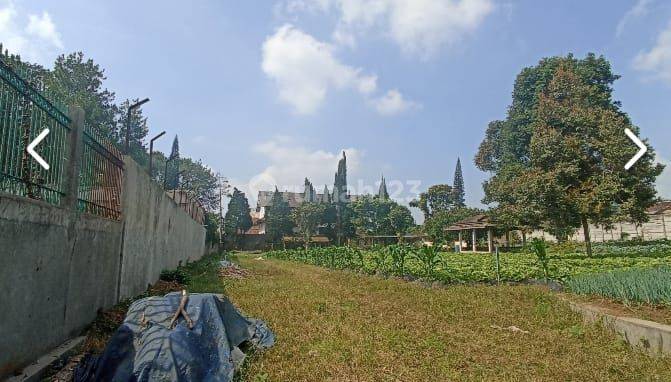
(295, 199)
(657, 227)
(264, 199)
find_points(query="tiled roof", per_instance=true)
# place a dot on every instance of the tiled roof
(313, 239)
(475, 221)
(659, 207)
(293, 198)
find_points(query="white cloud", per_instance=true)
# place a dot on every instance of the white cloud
(639, 9)
(290, 163)
(658, 59)
(392, 103)
(419, 27)
(298, 6)
(306, 70)
(38, 41)
(423, 26)
(43, 28)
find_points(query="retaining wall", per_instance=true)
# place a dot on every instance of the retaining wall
(58, 266)
(158, 234)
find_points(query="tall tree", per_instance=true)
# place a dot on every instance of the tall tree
(278, 218)
(200, 181)
(174, 150)
(138, 131)
(458, 191)
(377, 216)
(400, 220)
(174, 166)
(439, 197)
(211, 228)
(577, 152)
(79, 81)
(237, 219)
(340, 182)
(558, 158)
(340, 198)
(307, 217)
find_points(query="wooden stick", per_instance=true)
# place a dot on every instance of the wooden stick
(181, 311)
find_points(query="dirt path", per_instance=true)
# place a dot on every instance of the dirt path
(340, 326)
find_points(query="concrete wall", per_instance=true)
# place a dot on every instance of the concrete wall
(57, 268)
(158, 234)
(658, 227)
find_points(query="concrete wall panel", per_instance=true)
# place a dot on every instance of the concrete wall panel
(158, 234)
(58, 267)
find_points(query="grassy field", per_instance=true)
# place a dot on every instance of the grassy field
(344, 326)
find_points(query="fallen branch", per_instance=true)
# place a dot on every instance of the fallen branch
(182, 312)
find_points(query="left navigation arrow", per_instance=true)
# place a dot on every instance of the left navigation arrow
(31, 149)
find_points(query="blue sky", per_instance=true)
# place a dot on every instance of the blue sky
(268, 92)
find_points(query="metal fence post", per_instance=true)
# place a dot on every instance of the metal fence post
(75, 140)
(498, 266)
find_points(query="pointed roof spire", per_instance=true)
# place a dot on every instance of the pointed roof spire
(382, 192)
(326, 197)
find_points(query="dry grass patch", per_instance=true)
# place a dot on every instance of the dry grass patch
(342, 326)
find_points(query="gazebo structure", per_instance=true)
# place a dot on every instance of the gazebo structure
(474, 223)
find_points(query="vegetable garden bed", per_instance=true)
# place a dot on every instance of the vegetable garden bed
(449, 267)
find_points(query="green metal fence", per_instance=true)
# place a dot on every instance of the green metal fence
(24, 113)
(100, 176)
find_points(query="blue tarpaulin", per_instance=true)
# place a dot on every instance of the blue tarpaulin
(146, 348)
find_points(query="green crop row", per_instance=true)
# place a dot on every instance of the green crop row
(429, 263)
(647, 285)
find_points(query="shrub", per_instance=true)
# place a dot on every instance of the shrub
(177, 275)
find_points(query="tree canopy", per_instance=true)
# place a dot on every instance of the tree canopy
(558, 158)
(77, 80)
(378, 216)
(458, 190)
(237, 219)
(278, 218)
(307, 217)
(439, 197)
(174, 166)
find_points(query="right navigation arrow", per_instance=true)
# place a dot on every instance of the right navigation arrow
(642, 149)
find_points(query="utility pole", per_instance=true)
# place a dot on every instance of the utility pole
(151, 153)
(129, 112)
